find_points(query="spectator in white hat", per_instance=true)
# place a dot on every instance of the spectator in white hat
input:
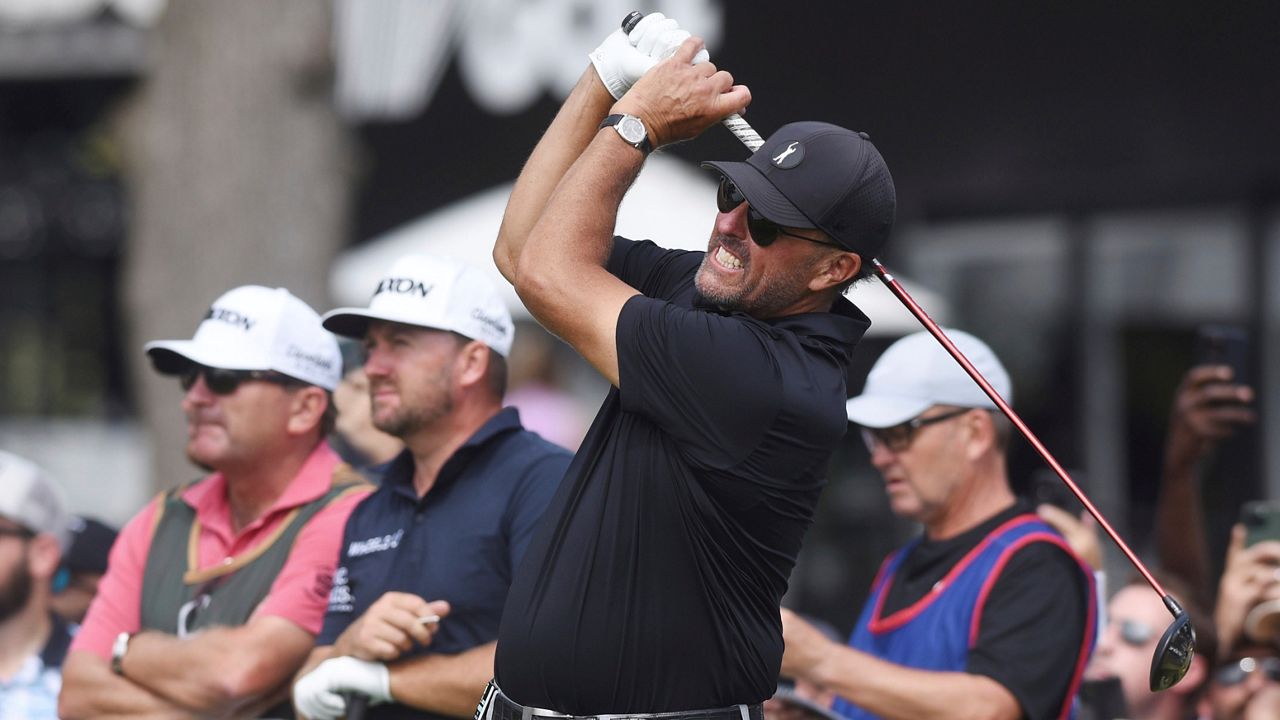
(989, 612)
(216, 590)
(33, 640)
(427, 560)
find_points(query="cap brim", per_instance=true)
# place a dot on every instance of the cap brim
(171, 357)
(761, 195)
(354, 322)
(882, 411)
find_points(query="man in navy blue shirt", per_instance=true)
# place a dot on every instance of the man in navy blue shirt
(652, 584)
(426, 560)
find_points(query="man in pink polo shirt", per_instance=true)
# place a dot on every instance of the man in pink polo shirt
(216, 590)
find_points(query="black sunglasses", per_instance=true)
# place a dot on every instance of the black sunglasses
(1134, 633)
(1236, 672)
(763, 231)
(899, 437)
(18, 532)
(225, 382)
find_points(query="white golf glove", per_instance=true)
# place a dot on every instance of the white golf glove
(624, 57)
(316, 694)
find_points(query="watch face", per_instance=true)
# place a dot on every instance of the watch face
(631, 130)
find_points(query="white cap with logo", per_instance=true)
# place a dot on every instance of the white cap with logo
(28, 498)
(257, 328)
(433, 292)
(917, 372)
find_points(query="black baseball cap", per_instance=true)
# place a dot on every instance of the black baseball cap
(91, 542)
(817, 175)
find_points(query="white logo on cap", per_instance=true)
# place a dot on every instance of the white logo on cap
(795, 148)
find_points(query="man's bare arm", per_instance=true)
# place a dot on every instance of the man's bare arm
(572, 129)
(887, 689)
(561, 275)
(91, 690)
(445, 684)
(221, 669)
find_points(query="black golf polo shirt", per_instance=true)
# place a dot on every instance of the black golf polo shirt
(460, 542)
(652, 583)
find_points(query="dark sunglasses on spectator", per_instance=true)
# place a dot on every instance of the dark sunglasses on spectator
(1135, 633)
(225, 382)
(18, 532)
(763, 231)
(898, 438)
(1236, 672)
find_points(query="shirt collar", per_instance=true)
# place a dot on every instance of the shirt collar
(399, 475)
(315, 477)
(842, 326)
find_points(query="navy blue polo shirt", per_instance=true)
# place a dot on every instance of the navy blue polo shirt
(653, 582)
(460, 542)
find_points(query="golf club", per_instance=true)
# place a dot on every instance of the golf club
(357, 704)
(734, 122)
(1176, 648)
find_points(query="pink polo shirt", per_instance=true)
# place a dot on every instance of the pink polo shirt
(301, 591)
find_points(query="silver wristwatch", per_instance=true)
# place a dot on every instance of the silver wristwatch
(118, 649)
(631, 129)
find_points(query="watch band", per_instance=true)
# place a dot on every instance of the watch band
(643, 145)
(118, 649)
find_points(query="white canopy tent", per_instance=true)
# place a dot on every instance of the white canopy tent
(671, 202)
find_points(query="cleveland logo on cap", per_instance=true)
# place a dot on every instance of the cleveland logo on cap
(403, 286)
(231, 317)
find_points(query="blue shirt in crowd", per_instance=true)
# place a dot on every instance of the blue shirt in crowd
(460, 542)
(32, 693)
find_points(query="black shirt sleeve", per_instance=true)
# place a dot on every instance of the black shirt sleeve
(709, 381)
(1032, 628)
(654, 271)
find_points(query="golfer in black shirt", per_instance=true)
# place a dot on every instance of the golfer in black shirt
(652, 583)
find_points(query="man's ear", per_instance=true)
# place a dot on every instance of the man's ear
(835, 270)
(44, 555)
(472, 364)
(306, 409)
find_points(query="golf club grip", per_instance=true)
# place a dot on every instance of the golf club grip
(739, 127)
(357, 704)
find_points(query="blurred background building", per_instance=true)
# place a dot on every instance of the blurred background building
(1081, 184)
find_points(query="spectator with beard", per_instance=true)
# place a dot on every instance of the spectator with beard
(427, 560)
(33, 640)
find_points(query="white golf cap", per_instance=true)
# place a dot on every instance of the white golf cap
(257, 328)
(433, 292)
(28, 498)
(916, 373)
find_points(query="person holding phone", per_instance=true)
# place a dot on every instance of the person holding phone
(1211, 404)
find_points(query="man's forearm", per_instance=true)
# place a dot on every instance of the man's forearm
(1180, 533)
(317, 656)
(91, 690)
(569, 133)
(444, 684)
(220, 669)
(893, 691)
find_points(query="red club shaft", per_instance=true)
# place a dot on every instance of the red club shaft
(896, 288)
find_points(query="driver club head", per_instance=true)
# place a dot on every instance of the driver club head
(1174, 652)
